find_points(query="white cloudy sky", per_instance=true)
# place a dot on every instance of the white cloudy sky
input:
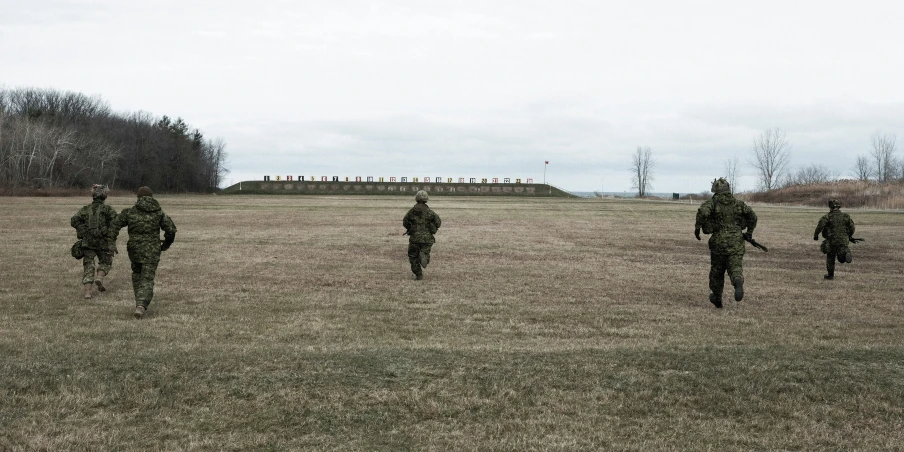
(482, 88)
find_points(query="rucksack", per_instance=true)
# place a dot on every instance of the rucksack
(97, 228)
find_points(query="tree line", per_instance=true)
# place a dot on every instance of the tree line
(56, 140)
(770, 155)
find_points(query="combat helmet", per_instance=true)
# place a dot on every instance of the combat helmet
(721, 185)
(834, 204)
(99, 191)
(421, 196)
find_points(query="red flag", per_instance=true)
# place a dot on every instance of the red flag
(547, 162)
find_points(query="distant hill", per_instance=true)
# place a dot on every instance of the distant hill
(851, 194)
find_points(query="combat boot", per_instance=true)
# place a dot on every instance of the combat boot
(848, 258)
(423, 258)
(418, 276)
(830, 276)
(98, 279)
(738, 288)
(88, 287)
(716, 300)
(139, 311)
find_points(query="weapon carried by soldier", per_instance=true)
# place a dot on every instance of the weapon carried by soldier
(856, 239)
(749, 239)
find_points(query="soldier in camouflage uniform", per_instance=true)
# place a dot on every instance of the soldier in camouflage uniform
(145, 220)
(421, 223)
(93, 228)
(837, 229)
(725, 217)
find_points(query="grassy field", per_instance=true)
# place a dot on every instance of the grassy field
(293, 323)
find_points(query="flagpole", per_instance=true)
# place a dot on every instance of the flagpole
(544, 170)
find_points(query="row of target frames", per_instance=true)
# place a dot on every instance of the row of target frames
(426, 180)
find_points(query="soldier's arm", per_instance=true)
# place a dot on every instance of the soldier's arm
(406, 222)
(111, 217)
(751, 219)
(169, 231)
(851, 227)
(437, 221)
(78, 223)
(121, 220)
(702, 214)
(820, 226)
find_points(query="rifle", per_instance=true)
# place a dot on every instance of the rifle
(749, 239)
(855, 239)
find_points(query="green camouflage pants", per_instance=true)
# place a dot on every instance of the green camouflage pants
(833, 253)
(718, 265)
(143, 282)
(104, 264)
(414, 258)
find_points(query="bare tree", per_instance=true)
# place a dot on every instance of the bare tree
(813, 174)
(883, 155)
(731, 171)
(771, 152)
(863, 169)
(642, 164)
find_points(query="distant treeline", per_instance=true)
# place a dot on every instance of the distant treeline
(60, 140)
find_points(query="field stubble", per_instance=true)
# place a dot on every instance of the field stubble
(292, 323)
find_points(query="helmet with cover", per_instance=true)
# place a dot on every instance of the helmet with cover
(99, 191)
(721, 185)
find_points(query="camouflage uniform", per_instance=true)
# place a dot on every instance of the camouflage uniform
(145, 220)
(92, 224)
(837, 228)
(421, 223)
(725, 218)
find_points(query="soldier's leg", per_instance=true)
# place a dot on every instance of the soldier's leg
(424, 254)
(830, 265)
(717, 265)
(136, 277)
(414, 258)
(105, 262)
(736, 273)
(844, 254)
(88, 272)
(88, 267)
(145, 292)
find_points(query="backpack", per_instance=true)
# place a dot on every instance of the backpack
(95, 228)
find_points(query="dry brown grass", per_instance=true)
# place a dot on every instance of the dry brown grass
(291, 323)
(851, 193)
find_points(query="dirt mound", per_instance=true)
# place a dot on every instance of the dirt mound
(851, 193)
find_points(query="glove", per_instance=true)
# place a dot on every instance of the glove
(815, 236)
(697, 233)
(164, 245)
(748, 236)
(112, 248)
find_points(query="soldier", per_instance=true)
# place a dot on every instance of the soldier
(145, 220)
(93, 228)
(421, 223)
(837, 228)
(725, 217)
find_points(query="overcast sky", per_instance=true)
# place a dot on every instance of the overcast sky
(482, 88)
